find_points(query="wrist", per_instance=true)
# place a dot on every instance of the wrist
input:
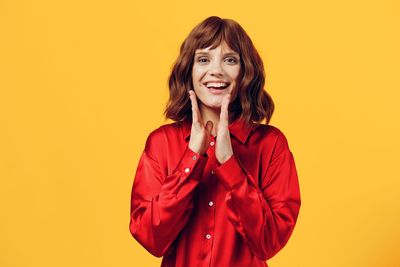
(225, 159)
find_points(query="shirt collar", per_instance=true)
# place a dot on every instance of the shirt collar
(237, 128)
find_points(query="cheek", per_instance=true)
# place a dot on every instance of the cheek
(235, 89)
(196, 77)
(197, 73)
(235, 73)
(233, 76)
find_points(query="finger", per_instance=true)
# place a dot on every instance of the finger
(224, 111)
(195, 109)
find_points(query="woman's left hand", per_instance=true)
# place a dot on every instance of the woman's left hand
(223, 146)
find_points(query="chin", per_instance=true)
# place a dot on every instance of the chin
(210, 100)
(214, 105)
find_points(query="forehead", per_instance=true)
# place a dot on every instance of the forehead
(222, 46)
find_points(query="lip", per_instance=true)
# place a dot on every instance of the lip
(217, 91)
(216, 81)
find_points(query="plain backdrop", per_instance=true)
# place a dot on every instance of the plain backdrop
(83, 83)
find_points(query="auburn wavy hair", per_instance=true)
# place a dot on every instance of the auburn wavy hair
(252, 103)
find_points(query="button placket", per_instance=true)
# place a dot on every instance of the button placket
(208, 203)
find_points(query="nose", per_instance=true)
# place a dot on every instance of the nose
(216, 69)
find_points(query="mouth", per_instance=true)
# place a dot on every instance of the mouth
(216, 88)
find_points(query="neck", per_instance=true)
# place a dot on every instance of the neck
(209, 114)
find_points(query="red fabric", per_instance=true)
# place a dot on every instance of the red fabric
(255, 198)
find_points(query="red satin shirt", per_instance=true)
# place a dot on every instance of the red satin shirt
(194, 211)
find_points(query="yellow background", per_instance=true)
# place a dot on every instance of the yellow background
(82, 83)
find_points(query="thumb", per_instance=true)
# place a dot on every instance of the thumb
(209, 126)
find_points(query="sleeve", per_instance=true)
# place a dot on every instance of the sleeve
(265, 217)
(160, 207)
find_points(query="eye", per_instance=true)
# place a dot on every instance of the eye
(202, 59)
(232, 60)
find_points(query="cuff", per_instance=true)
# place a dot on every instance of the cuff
(230, 173)
(192, 164)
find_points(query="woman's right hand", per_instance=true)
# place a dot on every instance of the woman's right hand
(200, 133)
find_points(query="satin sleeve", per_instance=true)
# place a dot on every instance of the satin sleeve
(264, 217)
(161, 206)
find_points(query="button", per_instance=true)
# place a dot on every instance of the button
(212, 143)
(194, 157)
(187, 170)
(208, 236)
(212, 172)
(210, 203)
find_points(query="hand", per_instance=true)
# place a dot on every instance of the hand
(223, 146)
(200, 134)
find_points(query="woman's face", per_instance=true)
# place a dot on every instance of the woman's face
(215, 74)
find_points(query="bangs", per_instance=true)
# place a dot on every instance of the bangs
(214, 35)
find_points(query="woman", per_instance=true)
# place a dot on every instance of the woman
(216, 187)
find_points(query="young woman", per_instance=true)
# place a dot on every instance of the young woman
(216, 187)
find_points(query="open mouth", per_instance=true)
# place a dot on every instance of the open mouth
(216, 86)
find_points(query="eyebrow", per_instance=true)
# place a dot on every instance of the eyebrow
(225, 54)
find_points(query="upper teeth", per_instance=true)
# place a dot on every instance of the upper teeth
(216, 84)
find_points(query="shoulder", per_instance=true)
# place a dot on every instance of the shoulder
(160, 134)
(268, 131)
(271, 135)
